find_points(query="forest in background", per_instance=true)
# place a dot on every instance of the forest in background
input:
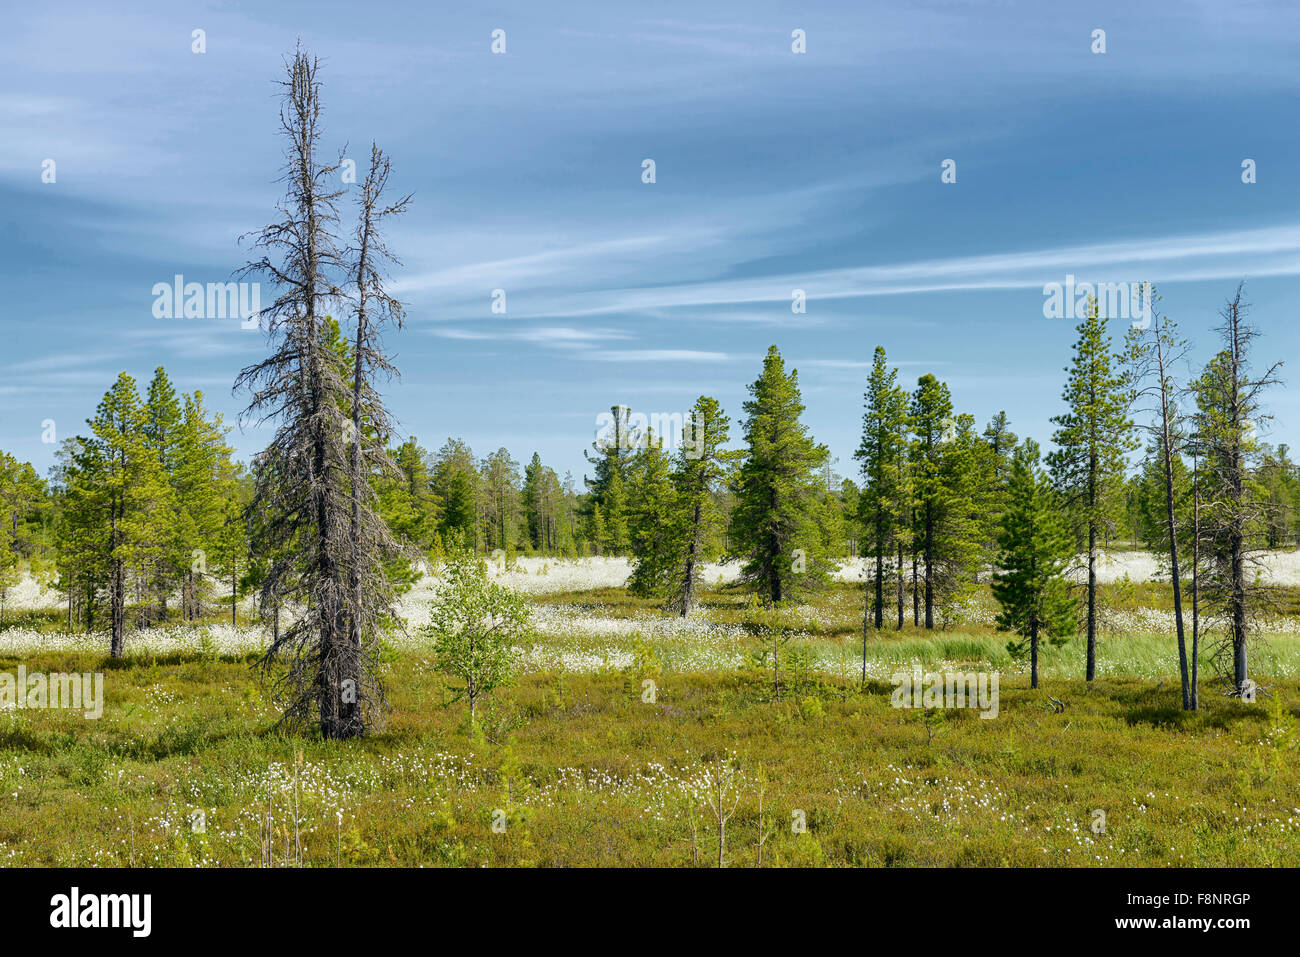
(146, 512)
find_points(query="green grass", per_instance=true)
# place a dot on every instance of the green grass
(583, 771)
(588, 774)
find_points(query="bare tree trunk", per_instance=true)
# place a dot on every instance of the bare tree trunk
(1236, 530)
(117, 588)
(688, 582)
(1166, 452)
(929, 567)
(916, 593)
(1092, 569)
(1033, 651)
(1196, 573)
(118, 611)
(901, 587)
(880, 575)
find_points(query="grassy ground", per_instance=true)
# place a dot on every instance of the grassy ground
(575, 768)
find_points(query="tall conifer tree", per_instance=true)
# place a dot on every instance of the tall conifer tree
(1035, 550)
(1093, 438)
(778, 490)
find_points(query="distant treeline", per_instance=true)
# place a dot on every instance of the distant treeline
(148, 505)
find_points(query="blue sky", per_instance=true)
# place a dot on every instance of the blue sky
(774, 171)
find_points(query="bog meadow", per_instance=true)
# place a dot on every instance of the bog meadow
(712, 649)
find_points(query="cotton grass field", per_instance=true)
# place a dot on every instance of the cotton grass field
(573, 766)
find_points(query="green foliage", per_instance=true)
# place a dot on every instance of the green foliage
(546, 508)
(1094, 434)
(1034, 552)
(654, 522)
(118, 504)
(1093, 438)
(608, 781)
(24, 512)
(883, 505)
(700, 468)
(475, 626)
(407, 501)
(605, 508)
(455, 484)
(500, 483)
(774, 525)
(952, 472)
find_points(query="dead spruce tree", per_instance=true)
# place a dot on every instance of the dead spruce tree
(1233, 508)
(312, 498)
(1153, 350)
(371, 541)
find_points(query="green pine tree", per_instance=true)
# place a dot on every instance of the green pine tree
(1093, 438)
(997, 454)
(654, 522)
(162, 429)
(596, 529)
(501, 500)
(456, 485)
(778, 491)
(614, 510)
(202, 482)
(931, 423)
(701, 466)
(613, 448)
(1035, 550)
(969, 481)
(123, 489)
(882, 504)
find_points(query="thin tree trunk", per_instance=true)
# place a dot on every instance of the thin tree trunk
(117, 598)
(880, 574)
(352, 711)
(916, 593)
(118, 610)
(929, 567)
(1196, 573)
(1236, 529)
(1167, 457)
(1033, 652)
(688, 581)
(901, 587)
(1092, 601)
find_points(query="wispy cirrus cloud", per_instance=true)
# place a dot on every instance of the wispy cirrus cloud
(1271, 251)
(776, 171)
(556, 336)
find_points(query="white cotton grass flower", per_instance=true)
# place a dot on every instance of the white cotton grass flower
(169, 639)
